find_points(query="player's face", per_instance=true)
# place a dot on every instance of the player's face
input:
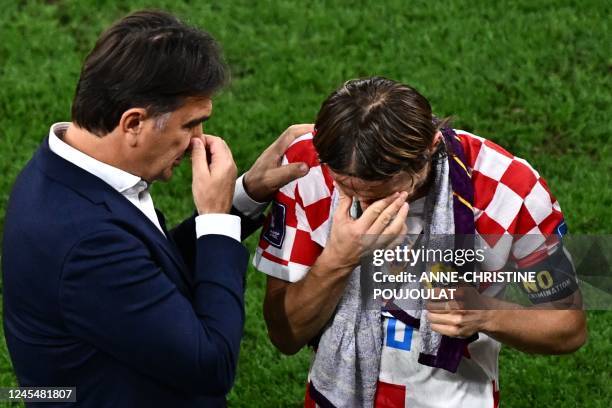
(367, 192)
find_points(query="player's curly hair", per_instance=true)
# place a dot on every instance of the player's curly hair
(373, 128)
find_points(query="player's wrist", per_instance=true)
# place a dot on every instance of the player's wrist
(494, 314)
(488, 321)
(330, 262)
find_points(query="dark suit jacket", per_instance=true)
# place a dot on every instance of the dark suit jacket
(96, 297)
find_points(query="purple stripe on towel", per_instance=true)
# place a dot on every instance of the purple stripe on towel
(449, 354)
(402, 316)
(461, 184)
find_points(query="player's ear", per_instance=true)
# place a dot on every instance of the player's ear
(436, 140)
(434, 143)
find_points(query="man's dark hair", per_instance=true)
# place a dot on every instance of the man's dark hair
(148, 59)
(374, 128)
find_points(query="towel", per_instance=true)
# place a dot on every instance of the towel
(347, 362)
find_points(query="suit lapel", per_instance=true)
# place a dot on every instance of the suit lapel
(97, 191)
(175, 251)
(123, 208)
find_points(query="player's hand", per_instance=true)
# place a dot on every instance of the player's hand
(214, 174)
(267, 175)
(467, 313)
(379, 225)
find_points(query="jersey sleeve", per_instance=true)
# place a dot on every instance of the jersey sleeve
(518, 218)
(297, 226)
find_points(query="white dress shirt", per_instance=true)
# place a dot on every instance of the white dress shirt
(136, 190)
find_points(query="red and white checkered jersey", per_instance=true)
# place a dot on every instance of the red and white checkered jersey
(510, 198)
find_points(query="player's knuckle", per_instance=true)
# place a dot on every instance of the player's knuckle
(385, 219)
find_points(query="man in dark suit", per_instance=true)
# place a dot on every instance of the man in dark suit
(98, 294)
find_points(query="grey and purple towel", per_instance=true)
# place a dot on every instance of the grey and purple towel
(346, 365)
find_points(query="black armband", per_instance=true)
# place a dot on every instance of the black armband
(555, 278)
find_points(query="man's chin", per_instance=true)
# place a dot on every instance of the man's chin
(166, 175)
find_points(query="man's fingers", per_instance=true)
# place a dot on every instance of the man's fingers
(218, 149)
(289, 135)
(267, 174)
(215, 145)
(199, 162)
(286, 174)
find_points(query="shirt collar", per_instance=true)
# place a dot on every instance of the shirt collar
(122, 181)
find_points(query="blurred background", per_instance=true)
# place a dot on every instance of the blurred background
(531, 75)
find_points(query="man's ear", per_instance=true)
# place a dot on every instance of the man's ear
(131, 125)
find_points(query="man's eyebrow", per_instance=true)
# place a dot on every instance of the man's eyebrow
(196, 121)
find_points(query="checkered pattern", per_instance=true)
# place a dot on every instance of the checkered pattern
(515, 212)
(307, 202)
(510, 200)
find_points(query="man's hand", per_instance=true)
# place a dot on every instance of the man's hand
(467, 313)
(267, 175)
(214, 174)
(379, 225)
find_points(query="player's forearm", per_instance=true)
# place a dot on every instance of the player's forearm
(542, 331)
(296, 314)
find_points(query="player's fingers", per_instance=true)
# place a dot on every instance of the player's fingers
(399, 240)
(449, 318)
(398, 223)
(344, 205)
(446, 330)
(441, 307)
(372, 213)
(395, 233)
(388, 217)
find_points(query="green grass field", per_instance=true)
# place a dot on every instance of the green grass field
(533, 75)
